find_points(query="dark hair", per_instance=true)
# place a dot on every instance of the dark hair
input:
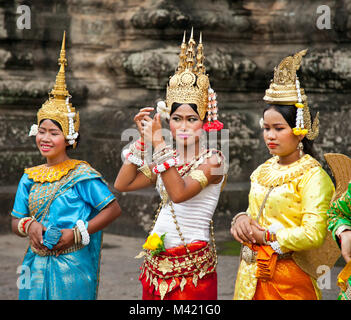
(69, 147)
(289, 114)
(176, 105)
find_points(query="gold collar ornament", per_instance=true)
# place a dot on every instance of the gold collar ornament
(57, 107)
(43, 173)
(285, 90)
(191, 84)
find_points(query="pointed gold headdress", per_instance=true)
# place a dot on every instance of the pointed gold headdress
(190, 84)
(285, 89)
(57, 107)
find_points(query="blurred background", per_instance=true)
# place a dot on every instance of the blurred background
(120, 56)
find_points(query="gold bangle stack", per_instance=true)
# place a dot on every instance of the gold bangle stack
(77, 236)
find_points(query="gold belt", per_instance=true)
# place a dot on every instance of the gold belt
(44, 253)
(158, 269)
(249, 256)
(204, 261)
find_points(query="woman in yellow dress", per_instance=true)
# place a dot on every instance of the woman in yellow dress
(288, 201)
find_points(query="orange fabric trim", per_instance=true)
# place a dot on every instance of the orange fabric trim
(266, 260)
(289, 282)
(343, 276)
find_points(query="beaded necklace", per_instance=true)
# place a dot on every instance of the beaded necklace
(183, 170)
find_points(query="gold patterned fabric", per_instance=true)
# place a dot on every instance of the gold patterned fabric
(299, 201)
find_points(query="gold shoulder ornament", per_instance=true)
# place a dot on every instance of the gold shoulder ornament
(199, 176)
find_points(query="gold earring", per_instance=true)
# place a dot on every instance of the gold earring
(300, 148)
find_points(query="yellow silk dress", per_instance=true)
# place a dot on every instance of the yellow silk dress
(299, 201)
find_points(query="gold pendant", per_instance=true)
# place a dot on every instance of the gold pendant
(165, 266)
(195, 278)
(182, 284)
(202, 274)
(140, 255)
(163, 288)
(155, 283)
(172, 285)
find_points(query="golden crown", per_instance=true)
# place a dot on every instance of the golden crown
(285, 89)
(282, 89)
(57, 107)
(189, 84)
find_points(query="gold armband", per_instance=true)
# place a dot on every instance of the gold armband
(199, 176)
(146, 171)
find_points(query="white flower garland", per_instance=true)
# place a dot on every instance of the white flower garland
(72, 135)
(299, 115)
(162, 167)
(84, 232)
(132, 158)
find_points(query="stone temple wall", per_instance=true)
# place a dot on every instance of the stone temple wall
(120, 56)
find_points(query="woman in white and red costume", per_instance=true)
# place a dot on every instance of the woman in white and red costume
(180, 254)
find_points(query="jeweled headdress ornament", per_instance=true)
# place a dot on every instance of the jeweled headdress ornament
(285, 89)
(191, 84)
(57, 107)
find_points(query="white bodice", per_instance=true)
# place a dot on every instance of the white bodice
(193, 216)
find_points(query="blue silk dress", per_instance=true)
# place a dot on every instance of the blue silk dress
(79, 194)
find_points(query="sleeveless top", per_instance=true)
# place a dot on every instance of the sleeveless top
(193, 215)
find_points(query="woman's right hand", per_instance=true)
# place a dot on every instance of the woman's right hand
(242, 229)
(143, 114)
(35, 234)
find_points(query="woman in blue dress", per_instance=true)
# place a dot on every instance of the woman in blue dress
(62, 207)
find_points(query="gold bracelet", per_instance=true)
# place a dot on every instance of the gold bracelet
(29, 224)
(199, 176)
(237, 216)
(20, 226)
(146, 171)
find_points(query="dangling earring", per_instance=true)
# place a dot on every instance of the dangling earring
(300, 148)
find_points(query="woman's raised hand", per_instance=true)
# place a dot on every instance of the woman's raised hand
(140, 118)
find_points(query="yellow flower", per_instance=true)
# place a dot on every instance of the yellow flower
(299, 105)
(304, 131)
(152, 242)
(297, 131)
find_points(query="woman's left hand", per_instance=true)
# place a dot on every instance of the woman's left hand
(66, 241)
(153, 130)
